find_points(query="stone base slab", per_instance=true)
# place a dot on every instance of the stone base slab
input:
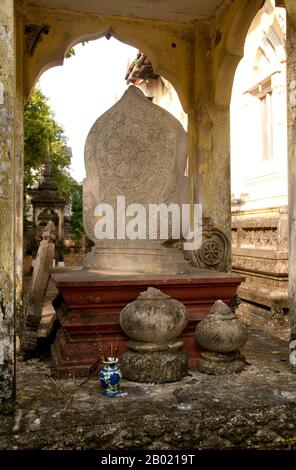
(155, 259)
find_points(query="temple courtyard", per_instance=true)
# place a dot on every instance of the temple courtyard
(176, 328)
(255, 409)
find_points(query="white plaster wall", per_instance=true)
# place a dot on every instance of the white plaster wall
(260, 183)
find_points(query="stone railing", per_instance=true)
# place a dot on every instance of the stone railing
(260, 247)
(260, 253)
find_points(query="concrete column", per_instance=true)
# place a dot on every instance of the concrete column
(209, 124)
(291, 92)
(213, 165)
(19, 169)
(7, 203)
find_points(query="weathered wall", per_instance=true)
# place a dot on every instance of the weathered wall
(291, 92)
(168, 45)
(19, 173)
(218, 49)
(7, 200)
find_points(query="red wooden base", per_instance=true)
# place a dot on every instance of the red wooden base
(88, 307)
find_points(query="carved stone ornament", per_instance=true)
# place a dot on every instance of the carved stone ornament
(38, 288)
(139, 151)
(254, 264)
(33, 35)
(215, 250)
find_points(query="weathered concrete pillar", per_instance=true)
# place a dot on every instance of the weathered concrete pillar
(209, 125)
(291, 95)
(19, 168)
(7, 202)
(213, 164)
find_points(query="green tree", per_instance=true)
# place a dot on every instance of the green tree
(40, 129)
(77, 214)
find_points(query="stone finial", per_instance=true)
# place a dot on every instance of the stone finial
(152, 293)
(221, 334)
(153, 322)
(220, 308)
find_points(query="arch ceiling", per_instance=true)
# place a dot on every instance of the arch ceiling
(184, 11)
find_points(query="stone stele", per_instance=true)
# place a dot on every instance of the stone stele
(38, 288)
(221, 334)
(154, 321)
(139, 151)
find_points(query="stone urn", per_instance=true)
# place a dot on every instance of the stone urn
(153, 322)
(221, 334)
(154, 317)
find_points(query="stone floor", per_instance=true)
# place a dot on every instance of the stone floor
(255, 409)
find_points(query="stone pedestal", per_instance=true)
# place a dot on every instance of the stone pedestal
(220, 364)
(221, 334)
(125, 257)
(146, 362)
(154, 321)
(89, 305)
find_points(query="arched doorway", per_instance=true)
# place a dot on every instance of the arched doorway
(259, 173)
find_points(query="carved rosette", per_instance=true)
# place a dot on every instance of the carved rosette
(215, 250)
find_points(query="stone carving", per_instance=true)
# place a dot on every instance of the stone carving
(260, 249)
(255, 264)
(259, 237)
(139, 151)
(221, 334)
(154, 321)
(38, 288)
(33, 35)
(262, 232)
(215, 250)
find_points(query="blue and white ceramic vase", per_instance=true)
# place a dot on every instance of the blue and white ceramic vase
(110, 377)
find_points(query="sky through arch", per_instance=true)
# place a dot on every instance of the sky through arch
(81, 90)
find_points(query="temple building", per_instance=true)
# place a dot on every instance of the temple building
(259, 179)
(168, 302)
(258, 164)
